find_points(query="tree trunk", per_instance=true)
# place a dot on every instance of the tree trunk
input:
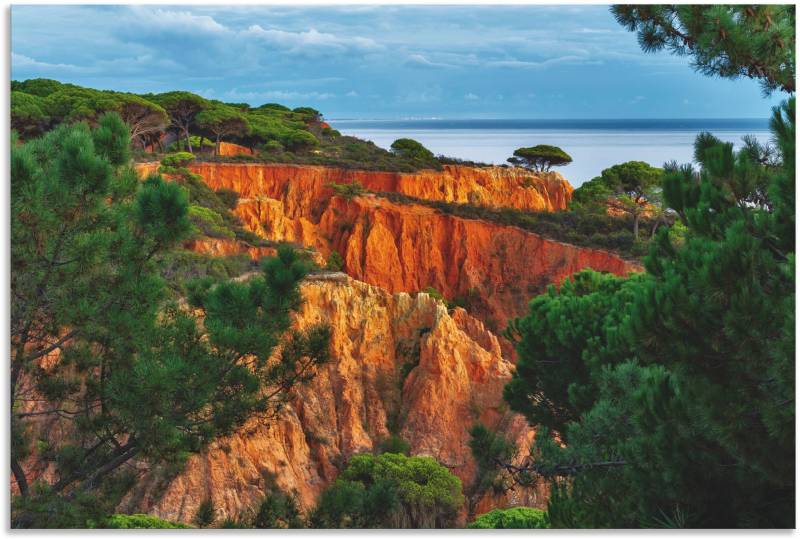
(216, 147)
(188, 142)
(636, 217)
(19, 476)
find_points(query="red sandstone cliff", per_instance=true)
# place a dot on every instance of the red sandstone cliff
(407, 247)
(350, 405)
(491, 186)
(352, 402)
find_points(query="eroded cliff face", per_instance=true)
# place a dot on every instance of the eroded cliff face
(381, 324)
(358, 400)
(495, 269)
(492, 186)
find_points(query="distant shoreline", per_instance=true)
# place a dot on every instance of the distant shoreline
(507, 123)
(593, 144)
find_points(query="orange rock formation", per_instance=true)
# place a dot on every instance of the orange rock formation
(353, 402)
(406, 247)
(359, 398)
(491, 186)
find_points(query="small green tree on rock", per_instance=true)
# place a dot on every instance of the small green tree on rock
(411, 149)
(540, 158)
(636, 185)
(632, 188)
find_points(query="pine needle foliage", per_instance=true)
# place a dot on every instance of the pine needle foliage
(672, 392)
(731, 41)
(98, 346)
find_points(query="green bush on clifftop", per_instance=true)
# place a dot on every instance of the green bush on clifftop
(515, 517)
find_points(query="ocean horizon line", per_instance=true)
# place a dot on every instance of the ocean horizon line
(438, 119)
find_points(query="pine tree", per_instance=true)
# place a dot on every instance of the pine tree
(96, 343)
(688, 418)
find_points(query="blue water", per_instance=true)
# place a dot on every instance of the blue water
(593, 144)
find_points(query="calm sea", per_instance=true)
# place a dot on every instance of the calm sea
(593, 144)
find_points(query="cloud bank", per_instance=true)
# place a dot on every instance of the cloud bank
(375, 61)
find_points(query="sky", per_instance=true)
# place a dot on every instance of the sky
(371, 61)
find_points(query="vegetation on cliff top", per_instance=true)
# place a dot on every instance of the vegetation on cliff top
(632, 188)
(181, 120)
(540, 158)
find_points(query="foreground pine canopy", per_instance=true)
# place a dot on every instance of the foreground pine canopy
(98, 345)
(666, 399)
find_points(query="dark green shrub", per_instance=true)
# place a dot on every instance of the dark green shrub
(390, 490)
(348, 190)
(229, 197)
(44, 509)
(209, 223)
(206, 513)
(515, 517)
(233, 524)
(394, 444)
(405, 370)
(177, 160)
(411, 149)
(272, 146)
(300, 140)
(335, 262)
(139, 521)
(278, 510)
(488, 448)
(432, 292)
(342, 506)
(180, 267)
